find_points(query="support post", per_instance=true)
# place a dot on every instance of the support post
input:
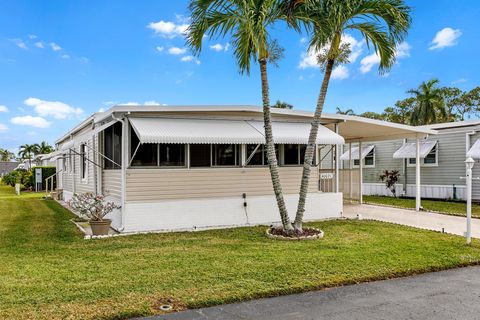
(350, 167)
(337, 163)
(360, 173)
(468, 166)
(417, 176)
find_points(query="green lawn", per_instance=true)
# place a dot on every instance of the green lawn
(448, 207)
(49, 271)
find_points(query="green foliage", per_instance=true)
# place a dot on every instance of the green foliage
(46, 172)
(49, 271)
(282, 105)
(429, 103)
(6, 155)
(373, 115)
(349, 112)
(27, 177)
(16, 176)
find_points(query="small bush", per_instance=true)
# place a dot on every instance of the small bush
(390, 178)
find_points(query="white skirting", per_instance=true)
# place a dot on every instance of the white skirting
(427, 191)
(194, 214)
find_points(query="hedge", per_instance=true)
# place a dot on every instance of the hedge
(27, 177)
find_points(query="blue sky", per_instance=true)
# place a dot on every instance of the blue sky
(62, 60)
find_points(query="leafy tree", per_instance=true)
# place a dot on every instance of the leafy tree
(473, 97)
(382, 23)
(401, 112)
(429, 103)
(452, 97)
(282, 105)
(6, 155)
(349, 112)
(248, 23)
(373, 115)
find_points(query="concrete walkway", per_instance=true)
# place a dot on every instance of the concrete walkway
(422, 220)
(445, 295)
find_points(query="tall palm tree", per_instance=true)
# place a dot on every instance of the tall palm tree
(382, 23)
(248, 23)
(27, 151)
(6, 155)
(429, 103)
(44, 148)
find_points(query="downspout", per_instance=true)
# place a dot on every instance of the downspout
(123, 168)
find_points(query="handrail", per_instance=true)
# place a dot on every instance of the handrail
(46, 182)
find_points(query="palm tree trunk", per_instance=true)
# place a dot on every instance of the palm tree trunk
(312, 139)
(271, 156)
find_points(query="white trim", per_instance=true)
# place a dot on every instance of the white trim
(422, 160)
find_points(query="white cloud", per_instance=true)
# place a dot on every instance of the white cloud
(309, 58)
(19, 43)
(159, 49)
(303, 40)
(403, 50)
(37, 122)
(133, 103)
(3, 109)
(32, 133)
(56, 109)
(32, 36)
(447, 37)
(459, 81)
(340, 73)
(65, 56)
(168, 29)
(3, 127)
(151, 103)
(219, 47)
(190, 59)
(176, 50)
(367, 63)
(55, 47)
(39, 44)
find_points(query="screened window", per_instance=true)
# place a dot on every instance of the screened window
(226, 154)
(83, 161)
(112, 144)
(200, 155)
(258, 158)
(172, 155)
(368, 161)
(430, 160)
(294, 154)
(145, 156)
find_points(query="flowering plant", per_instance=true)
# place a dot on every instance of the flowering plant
(90, 206)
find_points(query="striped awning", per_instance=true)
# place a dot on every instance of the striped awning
(221, 131)
(409, 150)
(365, 150)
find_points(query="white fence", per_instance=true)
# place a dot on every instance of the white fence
(427, 191)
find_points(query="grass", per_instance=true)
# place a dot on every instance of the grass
(49, 272)
(454, 208)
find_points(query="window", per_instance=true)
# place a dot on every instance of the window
(294, 154)
(112, 145)
(368, 161)
(430, 160)
(258, 158)
(200, 155)
(172, 155)
(226, 154)
(83, 162)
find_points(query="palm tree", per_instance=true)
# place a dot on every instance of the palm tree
(349, 112)
(248, 23)
(44, 148)
(6, 155)
(429, 103)
(382, 23)
(27, 151)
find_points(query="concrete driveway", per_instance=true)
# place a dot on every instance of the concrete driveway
(445, 295)
(422, 219)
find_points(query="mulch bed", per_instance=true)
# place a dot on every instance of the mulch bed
(307, 234)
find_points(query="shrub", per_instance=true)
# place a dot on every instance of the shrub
(90, 206)
(390, 178)
(46, 172)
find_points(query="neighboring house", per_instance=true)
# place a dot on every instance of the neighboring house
(193, 167)
(442, 166)
(7, 167)
(43, 160)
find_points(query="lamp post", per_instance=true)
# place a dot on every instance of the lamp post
(469, 165)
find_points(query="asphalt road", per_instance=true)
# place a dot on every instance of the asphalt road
(452, 294)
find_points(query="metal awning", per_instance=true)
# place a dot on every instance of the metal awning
(216, 131)
(365, 150)
(409, 150)
(87, 136)
(52, 156)
(67, 145)
(298, 132)
(474, 151)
